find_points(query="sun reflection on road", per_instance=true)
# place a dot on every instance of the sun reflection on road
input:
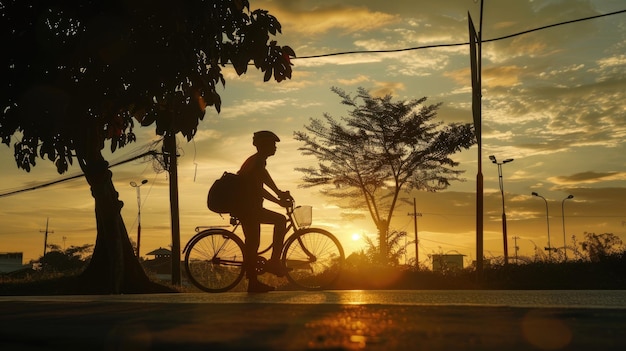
(355, 327)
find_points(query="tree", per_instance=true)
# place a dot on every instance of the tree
(380, 149)
(601, 246)
(81, 74)
(71, 259)
(396, 249)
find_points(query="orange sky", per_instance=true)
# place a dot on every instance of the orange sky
(553, 100)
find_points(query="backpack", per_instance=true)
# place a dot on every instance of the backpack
(224, 193)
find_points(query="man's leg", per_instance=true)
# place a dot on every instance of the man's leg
(280, 228)
(252, 233)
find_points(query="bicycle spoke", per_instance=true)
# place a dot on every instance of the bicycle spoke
(315, 259)
(214, 262)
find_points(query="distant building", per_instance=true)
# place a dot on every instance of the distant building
(160, 253)
(10, 262)
(161, 264)
(447, 262)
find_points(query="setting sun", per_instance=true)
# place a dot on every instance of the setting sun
(356, 236)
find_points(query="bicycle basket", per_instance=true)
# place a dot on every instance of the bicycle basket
(303, 215)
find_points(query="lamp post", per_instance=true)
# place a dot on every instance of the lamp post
(501, 181)
(137, 186)
(549, 248)
(563, 216)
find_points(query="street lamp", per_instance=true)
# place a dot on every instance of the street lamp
(137, 186)
(501, 181)
(549, 248)
(563, 216)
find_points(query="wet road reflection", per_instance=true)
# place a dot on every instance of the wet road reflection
(509, 298)
(328, 320)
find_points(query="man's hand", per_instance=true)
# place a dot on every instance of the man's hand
(285, 198)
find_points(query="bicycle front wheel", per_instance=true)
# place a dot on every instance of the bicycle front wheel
(314, 259)
(214, 260)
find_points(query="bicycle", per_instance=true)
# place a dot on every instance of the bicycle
(314, 258)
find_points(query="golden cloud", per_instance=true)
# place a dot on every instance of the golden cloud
(355, 80)
(588, 177)
(501, 76)
(320, 20)
(492, 77)
(387, 88)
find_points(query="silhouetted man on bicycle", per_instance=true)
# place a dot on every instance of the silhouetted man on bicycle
(254, 177)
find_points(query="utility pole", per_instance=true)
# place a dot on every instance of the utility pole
(476, 75)
(169, 151)
(516, 247)
(45, 240)
(415, 214)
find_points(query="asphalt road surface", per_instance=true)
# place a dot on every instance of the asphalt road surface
(298, 321)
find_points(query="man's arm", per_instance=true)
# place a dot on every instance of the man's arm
(282, 195)
(270, 183)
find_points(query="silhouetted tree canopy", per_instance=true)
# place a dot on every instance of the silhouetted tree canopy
(70, 259)
(599, 247)
(96, 68)
(78, 74)
(380, 149)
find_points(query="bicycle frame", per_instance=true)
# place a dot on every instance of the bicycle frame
(234, 222)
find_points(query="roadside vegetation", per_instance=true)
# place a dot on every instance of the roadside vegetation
(599, 263)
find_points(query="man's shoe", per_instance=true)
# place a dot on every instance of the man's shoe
(276, 268)
(255, 286)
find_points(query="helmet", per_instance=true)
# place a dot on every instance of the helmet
(264, 136)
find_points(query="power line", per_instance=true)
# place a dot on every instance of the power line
(44, 185)
(457, 44)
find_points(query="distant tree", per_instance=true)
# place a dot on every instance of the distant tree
(73, 258)
(79, 75)
(600, 246)
(396, 249)
(380, 149)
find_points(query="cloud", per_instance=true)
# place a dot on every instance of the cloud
(207, 134)
(387, 88)
(425, 64)
(607, 62)
(496, 76)
(502, 76)
(338, 60)
(323, 19)
(589, 177)
(355, 80)
(252, 107)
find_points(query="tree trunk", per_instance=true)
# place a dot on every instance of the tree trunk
(113, 268)
(383, 228)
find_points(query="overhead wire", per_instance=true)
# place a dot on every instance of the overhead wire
(458, 44)
(47, 184)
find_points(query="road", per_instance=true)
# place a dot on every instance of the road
(343, 320)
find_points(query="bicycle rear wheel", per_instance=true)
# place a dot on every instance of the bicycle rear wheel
(314, 259)
(214, 260)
